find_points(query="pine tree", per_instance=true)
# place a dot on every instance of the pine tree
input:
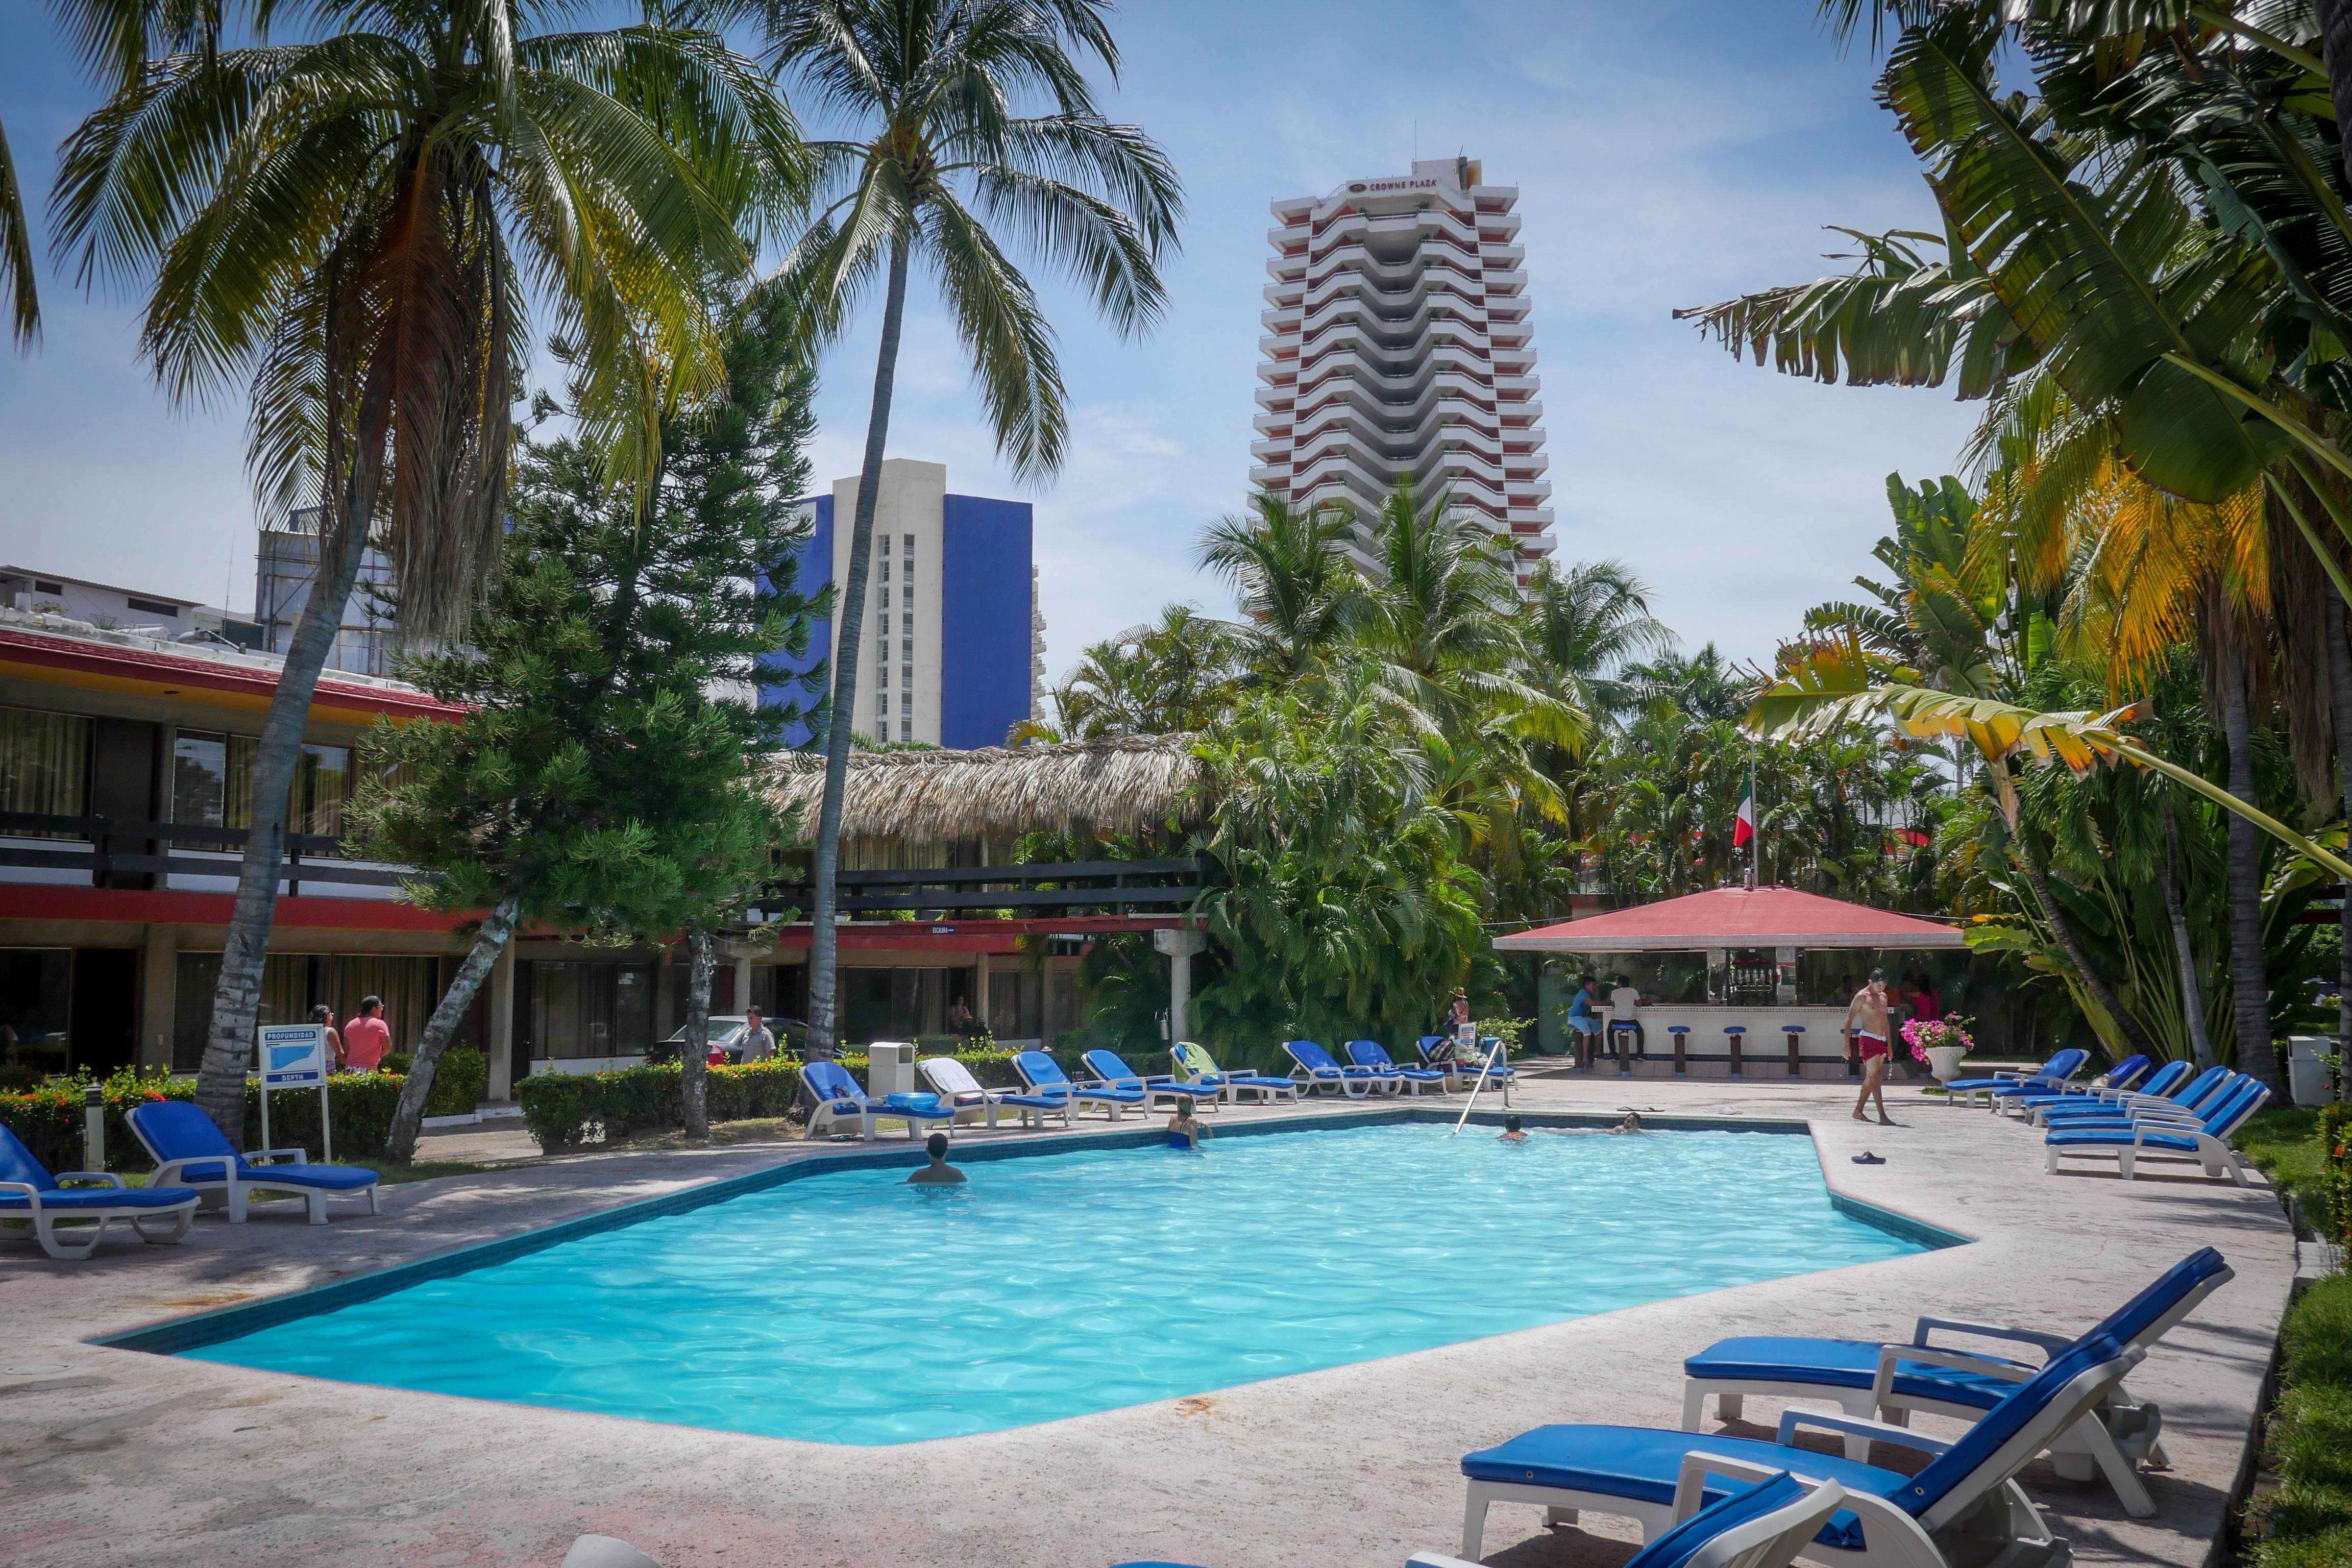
(605, 781)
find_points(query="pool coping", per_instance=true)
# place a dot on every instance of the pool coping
(173, 1336)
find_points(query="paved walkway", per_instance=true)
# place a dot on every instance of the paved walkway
(111, 1456)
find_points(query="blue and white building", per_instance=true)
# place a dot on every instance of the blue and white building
(954, 646)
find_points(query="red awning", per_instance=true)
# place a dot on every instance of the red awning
(1736, 917)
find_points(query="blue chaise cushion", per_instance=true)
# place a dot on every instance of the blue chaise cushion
(1680, 1544)
(99, 1198)
(1840, 1363)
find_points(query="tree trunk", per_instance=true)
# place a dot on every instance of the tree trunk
(850, 613)
(2072, 946)
(2184, 952)
(2334, 18)
(2339, 695)
(694, 1062)
(408, 1116)
(236, 995)
(2249, 972)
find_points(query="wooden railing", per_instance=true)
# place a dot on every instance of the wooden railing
(1117, 886)
(108, 847)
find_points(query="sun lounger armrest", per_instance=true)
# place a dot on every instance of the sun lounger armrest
(174, 1172)
(1825, 1421)
(1690, 1485)
(32, 1193)
(2054, 1344)
(1889, 1356)
(97, 1178)
(294, 1156)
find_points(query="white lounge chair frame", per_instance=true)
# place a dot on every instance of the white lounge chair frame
(1987, 1506)
(2213, 1151)
(1768, 1540)
(959, 1088)
(244, 1180)
(45, 1221)
(1266, 1089)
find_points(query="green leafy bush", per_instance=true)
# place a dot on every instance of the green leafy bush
(48, 1117)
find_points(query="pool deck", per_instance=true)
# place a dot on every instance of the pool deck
(116, 1456)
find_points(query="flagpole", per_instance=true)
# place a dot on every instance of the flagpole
(1755, 833)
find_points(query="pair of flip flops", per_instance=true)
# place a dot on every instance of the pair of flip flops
(1867, 1158)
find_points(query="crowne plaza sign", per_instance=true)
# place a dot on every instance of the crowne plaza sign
(1361, 187)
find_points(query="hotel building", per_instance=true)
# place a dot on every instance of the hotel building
(1397, 344)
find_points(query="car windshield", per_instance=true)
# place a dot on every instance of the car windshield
(715, 1031)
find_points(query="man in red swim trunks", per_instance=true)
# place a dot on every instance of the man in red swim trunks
(1867, 1031)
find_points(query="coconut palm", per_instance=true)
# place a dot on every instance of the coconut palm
(16, 254)
(1290, 570)
(355, 223)
(1584, 624)
(945, 171)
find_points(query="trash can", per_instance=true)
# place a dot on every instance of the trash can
(2306, 1068)
(889, 1068)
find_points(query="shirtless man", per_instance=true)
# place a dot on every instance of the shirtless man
(1867, 1030)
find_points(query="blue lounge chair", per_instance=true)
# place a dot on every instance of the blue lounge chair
(1373, 1055)
(1112, 1072)
(189, 1150)
(963, 1094)
(1491, 1056)
(2207, 1090)
(2051, 1075)
(30, 1194)
(1195, 1065)
(1321, 1071)
(2126, 1074)
(838, 1099)
(2170, 1079)
(1967, 1497)
(2204, 1139)
(1044, 1076)
(1891, 1382)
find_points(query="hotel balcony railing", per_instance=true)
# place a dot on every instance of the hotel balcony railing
(1118, 887)
(107, 849)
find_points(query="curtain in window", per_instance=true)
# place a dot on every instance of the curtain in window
(404, 984)
(44, 764)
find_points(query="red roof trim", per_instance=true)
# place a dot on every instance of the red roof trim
(153, 665)
(1737, 917)
(32, 900)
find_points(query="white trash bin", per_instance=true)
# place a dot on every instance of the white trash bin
(889, 1068)
(2306, 1068)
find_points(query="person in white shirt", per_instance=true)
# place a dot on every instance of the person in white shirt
(758, 1043)
(1623, 1003)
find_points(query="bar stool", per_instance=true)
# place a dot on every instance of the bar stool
(1793, 1031)
(1736, 1034)
(1681, 1032)
(1619, 1031)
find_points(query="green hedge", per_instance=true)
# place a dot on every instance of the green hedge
(2307, 1522)
(48, 1116)
(457, 1082)
(564, 1111)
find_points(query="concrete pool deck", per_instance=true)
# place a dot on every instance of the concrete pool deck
(116, 1456)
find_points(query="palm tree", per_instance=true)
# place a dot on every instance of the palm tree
(1290, 570)
(16, 254)
(945, 156)
(1585, 624)
(355, 223)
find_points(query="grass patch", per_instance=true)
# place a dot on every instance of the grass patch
(2284, 1144)
(2308, 1521)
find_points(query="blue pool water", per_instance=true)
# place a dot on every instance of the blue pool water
(850, 1307)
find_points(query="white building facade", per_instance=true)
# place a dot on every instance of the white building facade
(1398, 344)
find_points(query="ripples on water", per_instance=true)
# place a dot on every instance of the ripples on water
(850, 1307)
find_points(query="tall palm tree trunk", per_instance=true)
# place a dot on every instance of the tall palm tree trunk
(2339, 698)
(408, 1116)
(2184, 952)
(694, 1062)
(2249, 974)
(824, 1035)
(237, 997)
(2071, 943)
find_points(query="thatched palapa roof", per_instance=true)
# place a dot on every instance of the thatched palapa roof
(1127, 785)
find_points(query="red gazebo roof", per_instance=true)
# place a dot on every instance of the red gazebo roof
(1736, 917)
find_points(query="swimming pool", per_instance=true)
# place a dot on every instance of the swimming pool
(845, 1307)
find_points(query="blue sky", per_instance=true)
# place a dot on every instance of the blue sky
(1669, 154)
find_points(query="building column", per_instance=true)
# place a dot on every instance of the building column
(159, 980)
(1180, 946)
(980, 990)
(502, 1008)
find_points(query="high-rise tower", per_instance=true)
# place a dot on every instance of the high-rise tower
(1397, 343)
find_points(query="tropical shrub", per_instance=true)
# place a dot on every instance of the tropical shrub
(48, 1117)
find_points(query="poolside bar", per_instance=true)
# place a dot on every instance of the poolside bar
(1748, 982)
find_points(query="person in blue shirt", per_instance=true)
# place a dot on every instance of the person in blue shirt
(1580, 1018)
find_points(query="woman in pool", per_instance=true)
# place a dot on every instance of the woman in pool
(1184, 1131)
(1511, 1133)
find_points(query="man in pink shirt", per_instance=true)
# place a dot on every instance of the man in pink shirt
(367, 1037)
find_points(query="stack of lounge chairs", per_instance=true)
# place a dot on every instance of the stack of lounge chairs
(2136, 1110)
(1965, 1506)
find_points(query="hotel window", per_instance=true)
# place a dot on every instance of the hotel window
(906, 624)
(212, 784)
(44, 765)
(906, 678)
(906, 596)
(882, 703)
(886, 569)
(907, 648)
(905, 729)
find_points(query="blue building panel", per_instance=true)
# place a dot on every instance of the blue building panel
(817, 570)
(984, 631)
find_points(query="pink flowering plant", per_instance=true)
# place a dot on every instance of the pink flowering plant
(1921, 1034)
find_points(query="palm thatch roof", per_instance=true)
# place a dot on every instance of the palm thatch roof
(1132, 784)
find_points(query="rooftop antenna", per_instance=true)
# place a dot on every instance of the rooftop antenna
(1417, 140)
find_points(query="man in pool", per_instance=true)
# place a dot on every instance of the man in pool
(1867, 1032)
(938, 1173)
(1183, 1130)
(1511, 1132)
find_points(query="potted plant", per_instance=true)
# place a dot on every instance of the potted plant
(1940, 1043)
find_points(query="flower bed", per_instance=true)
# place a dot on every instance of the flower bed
(564, 1111)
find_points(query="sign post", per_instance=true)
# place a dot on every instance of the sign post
(294, 1055)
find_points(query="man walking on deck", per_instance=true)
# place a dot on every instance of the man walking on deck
(1867, 1031)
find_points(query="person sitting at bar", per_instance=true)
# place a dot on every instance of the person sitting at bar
(1624, 1005)
(1581, 1019)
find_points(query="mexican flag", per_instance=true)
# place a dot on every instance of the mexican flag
(1743, 826)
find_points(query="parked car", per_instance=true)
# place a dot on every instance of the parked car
(724, 1038)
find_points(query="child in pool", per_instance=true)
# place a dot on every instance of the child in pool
(1184, 1131)
(1511, 1133)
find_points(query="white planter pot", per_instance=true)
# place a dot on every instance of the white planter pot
(1943, 1061)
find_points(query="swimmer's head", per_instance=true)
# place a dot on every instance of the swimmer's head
(1184, 1105)
(1510, 1124)
(936, 1146)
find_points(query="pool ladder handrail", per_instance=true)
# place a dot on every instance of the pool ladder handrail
(1495, 1049)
